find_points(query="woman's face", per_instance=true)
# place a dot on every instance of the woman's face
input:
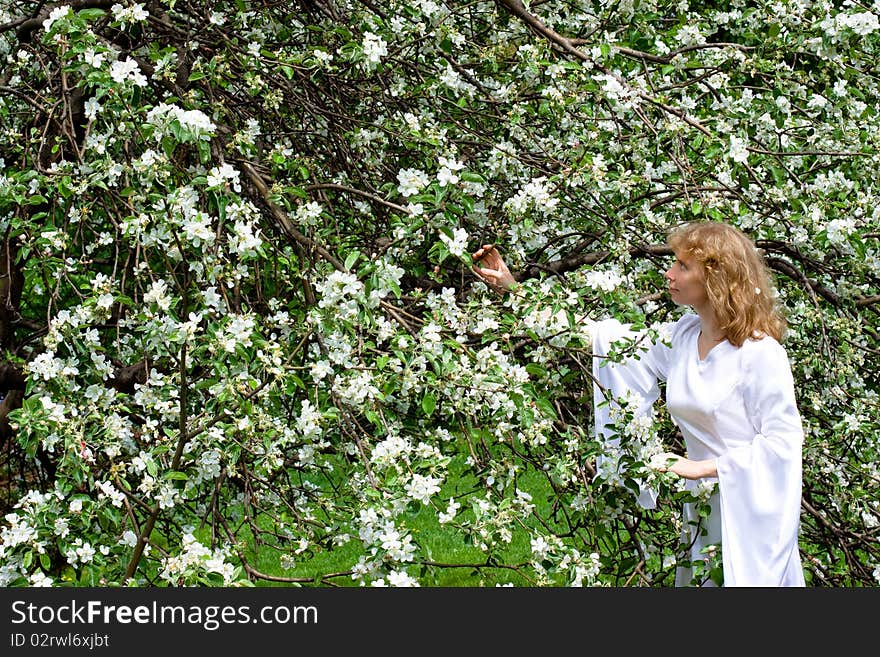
(687, 283)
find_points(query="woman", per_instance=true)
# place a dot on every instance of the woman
(730, 391)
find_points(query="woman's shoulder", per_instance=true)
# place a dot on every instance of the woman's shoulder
(686, 321)
(669, 330)
(764, 350)
(683, 325)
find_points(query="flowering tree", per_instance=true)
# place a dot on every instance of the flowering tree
(239, 325)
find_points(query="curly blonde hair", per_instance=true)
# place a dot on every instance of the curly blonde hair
(738, 282)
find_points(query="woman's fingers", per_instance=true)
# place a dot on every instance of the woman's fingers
(483, 251)
(662, 462)
(491, 274)
(478, 271)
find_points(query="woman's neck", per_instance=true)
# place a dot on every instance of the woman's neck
(709, 325)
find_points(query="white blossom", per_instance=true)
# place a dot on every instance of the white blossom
(411, 181)
(55, 15)
(375, 48)
(738, 150)
(127, 70)
(132, 14)
(457, 244)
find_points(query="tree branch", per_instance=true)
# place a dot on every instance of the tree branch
(284, 221)
(26, 27)
(519, 10)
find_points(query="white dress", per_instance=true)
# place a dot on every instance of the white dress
(736, 406)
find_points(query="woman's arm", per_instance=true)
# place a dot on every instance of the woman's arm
(760, 483)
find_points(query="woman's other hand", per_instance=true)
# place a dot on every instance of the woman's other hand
(684, 467)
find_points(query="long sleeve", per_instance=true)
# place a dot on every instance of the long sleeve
(760, 482)
(636, 379)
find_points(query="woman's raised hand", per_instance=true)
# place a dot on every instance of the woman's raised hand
(492, 269)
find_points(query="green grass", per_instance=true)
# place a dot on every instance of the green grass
(456, 563)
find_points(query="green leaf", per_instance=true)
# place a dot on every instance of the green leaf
(470, 176)
(429, 403)
(91, 14)
(717, 575)
(374, 418)
(204, 151)
(351, 258)
(546, 405)
(294, 383)
(168, 146)
(536, 370)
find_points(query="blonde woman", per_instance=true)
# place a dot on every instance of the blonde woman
(729, 389)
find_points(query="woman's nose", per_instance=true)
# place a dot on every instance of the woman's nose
(668, 274)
